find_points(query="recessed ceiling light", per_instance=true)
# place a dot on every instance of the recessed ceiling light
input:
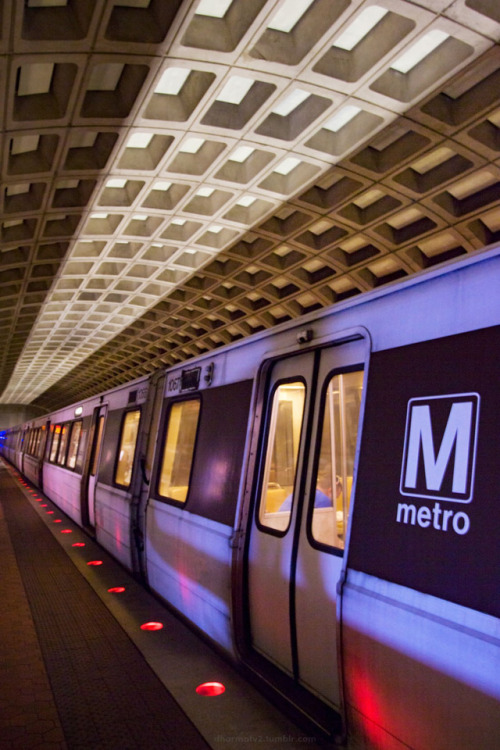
(345, 115)
(192, 145)
(172, 81)
(139, 140)
(291, 102)
(241, 154)
(214, 8)
(22, 144)
(162, 185)
(360, 27)
(235, 89)
(205, 192)
(246, 200)
(287, 165)
(116, 182)
(288, 15)
(105, 76)
(418, 51)
(35, 78)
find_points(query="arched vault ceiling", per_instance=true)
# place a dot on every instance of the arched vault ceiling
(177, 175)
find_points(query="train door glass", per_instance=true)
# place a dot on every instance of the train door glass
(281, 457)
(271, 540)
(63, 444)
(74, 442)
(296, 541)
(56, 434)
(98, 431)
(126, 451)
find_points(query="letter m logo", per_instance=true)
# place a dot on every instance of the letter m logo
(440, 447)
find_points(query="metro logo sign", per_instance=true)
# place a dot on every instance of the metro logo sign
(440, 447)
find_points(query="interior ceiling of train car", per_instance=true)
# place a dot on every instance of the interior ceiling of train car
(178, 175)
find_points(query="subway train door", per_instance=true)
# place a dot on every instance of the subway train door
(298, 533)
(97, 431)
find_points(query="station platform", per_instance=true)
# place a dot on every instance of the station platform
(80, 672)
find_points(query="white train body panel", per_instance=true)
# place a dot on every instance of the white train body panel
(31, 468)
(189, 565)
(112, 521)
(64, 488)
(420, 672)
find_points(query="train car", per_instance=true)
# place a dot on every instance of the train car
(10, 442)
(320, 501)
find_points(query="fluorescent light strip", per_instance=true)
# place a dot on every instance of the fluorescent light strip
(172, 81)
(288, 15)
(418, 51)
(359, 28)
(213, 8)
(345, 115)
(235, 90)
(290, 102)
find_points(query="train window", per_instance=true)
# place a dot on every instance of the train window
(35, 441)
(63, 443)
(179, 450)
(128, 440)
(76, 431)
(281, 457)
(336, 460)
(39, 436)
(56, 434)
(97, 446)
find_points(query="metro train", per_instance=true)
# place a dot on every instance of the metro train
(320, 500)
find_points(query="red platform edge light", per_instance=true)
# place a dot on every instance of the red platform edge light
(152, 626)
(211, 689)
(116, 590)
(66, 531)
(78, 544)
(57, 520)
(95, 562)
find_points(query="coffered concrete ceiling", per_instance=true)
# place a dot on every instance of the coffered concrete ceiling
(178, 175)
